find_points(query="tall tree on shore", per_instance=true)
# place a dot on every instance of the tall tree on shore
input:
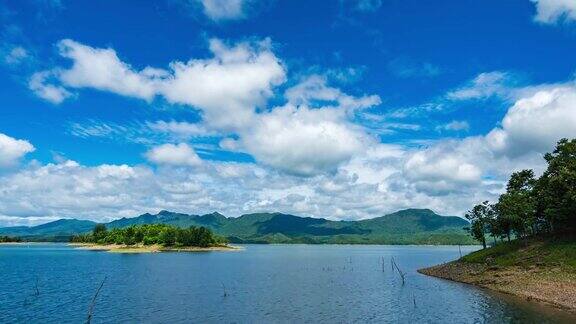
(557, 187)
(533, 206)
(480, 218)
(517, 207)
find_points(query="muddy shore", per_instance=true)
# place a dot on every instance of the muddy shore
(552, 286)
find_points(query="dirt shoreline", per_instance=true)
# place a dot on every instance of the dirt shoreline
(551, 286)
(117, 248)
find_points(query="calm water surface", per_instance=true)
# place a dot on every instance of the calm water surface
(261, 284)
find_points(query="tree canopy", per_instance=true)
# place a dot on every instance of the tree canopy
(9, 239)
(150, 234)
(532, 206)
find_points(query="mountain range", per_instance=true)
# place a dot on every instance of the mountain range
(409, 226)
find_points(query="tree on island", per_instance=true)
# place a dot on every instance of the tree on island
(10, 239)
(99, 232)
(149, 234)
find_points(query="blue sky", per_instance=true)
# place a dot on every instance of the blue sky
(344, 109)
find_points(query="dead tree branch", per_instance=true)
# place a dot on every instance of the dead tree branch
(93, 303)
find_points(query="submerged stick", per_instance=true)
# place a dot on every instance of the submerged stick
(36, 287)
(93, 303)
(225, 294)
(402, 274)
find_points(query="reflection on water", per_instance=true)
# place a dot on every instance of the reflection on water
(264, 283)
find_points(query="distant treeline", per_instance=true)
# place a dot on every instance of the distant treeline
(150, 234)
(544, 206)
(9, 239)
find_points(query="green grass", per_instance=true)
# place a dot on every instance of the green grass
(535, 252)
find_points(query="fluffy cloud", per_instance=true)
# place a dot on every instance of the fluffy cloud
(16, 55)
(303, 141)
(55, 94)
(224, 9)
(531, 127)
(311, 134)
(553, 11)
(226, 88)
(537, 122)
(229, 89)
(314, 90)
(102, 69)
(43, 193)
(11, 150)
(169, 154)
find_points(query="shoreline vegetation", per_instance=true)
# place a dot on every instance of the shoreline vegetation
(533, 229)
(543, 271)
(150, 238)
(10, 239)
(141, 248)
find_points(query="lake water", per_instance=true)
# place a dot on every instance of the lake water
(52, 283)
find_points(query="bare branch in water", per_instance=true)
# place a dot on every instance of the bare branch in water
(37, 291)
(225, 294)
(93, 303)
(402, 274)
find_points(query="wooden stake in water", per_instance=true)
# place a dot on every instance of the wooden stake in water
(93, 303)
(225, 294)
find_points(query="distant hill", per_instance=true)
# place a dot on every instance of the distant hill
(59, 231)
(410, 226)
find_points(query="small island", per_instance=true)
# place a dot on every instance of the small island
(533, 230)
(148, 238)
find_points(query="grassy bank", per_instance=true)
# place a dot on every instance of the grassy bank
(542, 270)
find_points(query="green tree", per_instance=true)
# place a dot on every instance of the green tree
(480, 217)
(557, 187)
(99, 232)
(167, 236)
(517, 207)
(205, 238)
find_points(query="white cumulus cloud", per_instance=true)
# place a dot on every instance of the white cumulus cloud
(39, 84)
(303, 141)
(226, 88)
(173, 154)
(11, 150)
(554, 11)
(535, 123)
(224, 9)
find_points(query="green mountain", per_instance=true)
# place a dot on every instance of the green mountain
(410, 226)
(59, 231)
